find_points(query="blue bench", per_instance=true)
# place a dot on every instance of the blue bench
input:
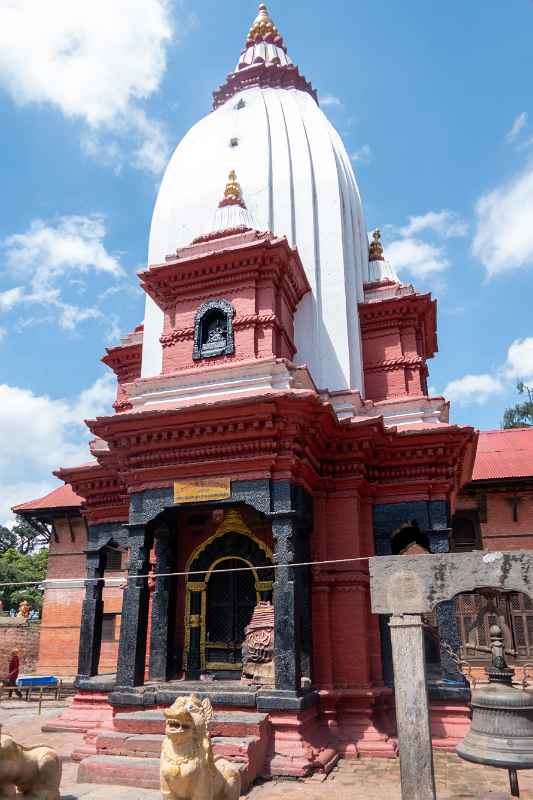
(41, 682)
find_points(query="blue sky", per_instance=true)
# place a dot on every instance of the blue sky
(433, 101)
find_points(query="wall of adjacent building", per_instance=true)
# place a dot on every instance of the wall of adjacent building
(22, 636)
(498, 527)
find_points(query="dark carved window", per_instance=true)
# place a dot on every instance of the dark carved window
(465, 529)
(213, 330)
(109, 627)
(113, 559)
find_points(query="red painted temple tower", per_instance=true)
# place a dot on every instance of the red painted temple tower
(272, 411)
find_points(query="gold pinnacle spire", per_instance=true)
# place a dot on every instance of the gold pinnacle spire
(375, 251)
(232, 190)
(262, 27)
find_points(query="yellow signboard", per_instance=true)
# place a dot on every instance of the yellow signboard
(202, 490)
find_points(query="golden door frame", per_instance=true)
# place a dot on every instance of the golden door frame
(232, 523)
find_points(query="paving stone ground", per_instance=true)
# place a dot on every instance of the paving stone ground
(365, 779)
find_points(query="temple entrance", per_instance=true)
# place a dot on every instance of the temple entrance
(231, 599)
(219, 604)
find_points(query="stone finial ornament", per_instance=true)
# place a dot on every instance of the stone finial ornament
(375, 251)
(262, 27)
(188, 770)
(28, 771)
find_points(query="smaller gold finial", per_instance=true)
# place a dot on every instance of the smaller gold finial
(375, 251)
(232, 190)
(263, 27)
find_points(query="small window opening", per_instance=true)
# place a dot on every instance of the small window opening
(109, 628)
(113, 559)
(240, 105)
(233, 142)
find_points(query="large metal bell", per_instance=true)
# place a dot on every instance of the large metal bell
(501, 734)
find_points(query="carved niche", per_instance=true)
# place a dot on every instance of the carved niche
(213, 330)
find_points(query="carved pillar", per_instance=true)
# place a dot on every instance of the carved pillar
(91, 617)
(449, 637)
(134, 627)
(287, 605)
(162, 630)
(194, 662)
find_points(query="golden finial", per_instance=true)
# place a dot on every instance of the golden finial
(263, 27)
(375, 251)
(232, 190)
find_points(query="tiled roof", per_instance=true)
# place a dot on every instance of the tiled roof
(504, 454)
(62, 497)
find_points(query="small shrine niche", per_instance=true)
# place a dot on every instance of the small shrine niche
(213, 330)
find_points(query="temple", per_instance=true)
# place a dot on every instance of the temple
(272, 412)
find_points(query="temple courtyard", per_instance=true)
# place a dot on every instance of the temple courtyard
(365, 779)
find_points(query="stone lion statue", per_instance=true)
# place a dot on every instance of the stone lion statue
(188, 769)
(30, 772)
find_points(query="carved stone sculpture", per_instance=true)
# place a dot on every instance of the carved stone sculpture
(258, 647)
(32, 772)
(188, 768)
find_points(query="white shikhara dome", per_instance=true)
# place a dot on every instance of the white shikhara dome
(297, 181)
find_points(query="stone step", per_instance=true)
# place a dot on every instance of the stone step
(143, 773)
(224, 723)
(120, 771)
(116, 743)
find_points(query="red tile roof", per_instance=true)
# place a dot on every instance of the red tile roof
(62, 497)
(504, 454)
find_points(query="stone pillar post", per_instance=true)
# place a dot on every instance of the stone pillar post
(287, 605)
(412, 711)
(92, 614)
(134, 627)
(194, 666)
(162, 630)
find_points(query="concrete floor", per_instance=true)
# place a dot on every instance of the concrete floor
(365, 779)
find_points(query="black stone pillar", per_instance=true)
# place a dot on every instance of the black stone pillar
(162, 631)
(432, 518)
(287, 605)
(134, 627)
(194, 663)
(92, 614)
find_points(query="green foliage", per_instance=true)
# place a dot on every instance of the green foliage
(521, 414)
(18, 567)
(23, 537)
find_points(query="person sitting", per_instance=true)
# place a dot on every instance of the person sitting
(13, 673)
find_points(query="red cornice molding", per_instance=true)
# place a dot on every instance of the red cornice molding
(265, 77)
(253, 257)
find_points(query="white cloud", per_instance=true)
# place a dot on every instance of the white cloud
(504, 233)
(329, 100)
(420, 258)
(519, 123)
(40, 434)
(97, 62)
(445, 223)
(519, 364)
(363, 155)
(10, 298)
(47, 255)
(473, 389)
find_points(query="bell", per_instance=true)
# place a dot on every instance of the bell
(501, 734)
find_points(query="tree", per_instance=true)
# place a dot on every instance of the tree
(521, 414)
(17, 567)
(24, 537)
(23, 557)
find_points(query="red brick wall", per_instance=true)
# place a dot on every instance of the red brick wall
(61, 616)
(25, 638)
(501, 531)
